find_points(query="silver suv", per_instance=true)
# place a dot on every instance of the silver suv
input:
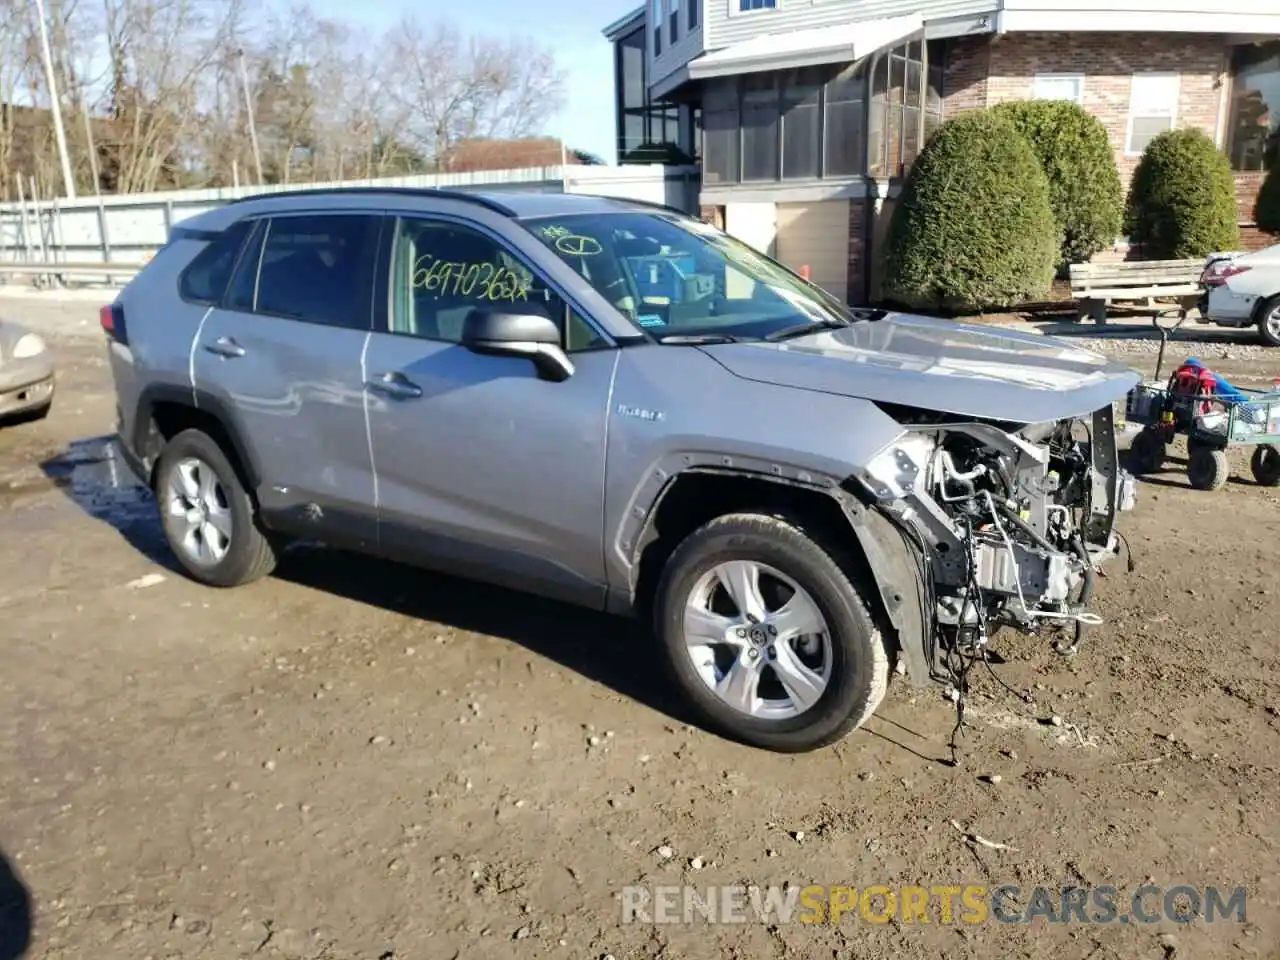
(619, 406)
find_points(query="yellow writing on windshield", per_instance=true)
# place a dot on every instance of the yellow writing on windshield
(574, 246)
(483, 281)
(570, 244)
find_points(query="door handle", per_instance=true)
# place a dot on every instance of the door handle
(395, 385)
(225, 347)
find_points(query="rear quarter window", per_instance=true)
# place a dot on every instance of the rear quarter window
(206, 277)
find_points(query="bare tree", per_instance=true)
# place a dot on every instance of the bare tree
(459, 88)
(153, 88)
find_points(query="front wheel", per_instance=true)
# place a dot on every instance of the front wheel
(766, 635)
(209, 519)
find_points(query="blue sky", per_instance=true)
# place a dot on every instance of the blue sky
(570, 27)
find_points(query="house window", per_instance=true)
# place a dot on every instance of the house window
(760, 119)
(933, 89)
(721, 132)
(838, 121)
(632, 102)
(745, 5)
(674, 26)
(801, 125)
(845, 145)
(656, 20)
(906, 106)
(1153, 109)
(1254, 134)
(693, 13)
(1058, 86)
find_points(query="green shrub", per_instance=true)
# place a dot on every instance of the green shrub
(1266, 209)
(973, 227)
(1084, 183)
(1182, 201)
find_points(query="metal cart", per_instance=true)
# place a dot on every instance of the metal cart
(1211, 424)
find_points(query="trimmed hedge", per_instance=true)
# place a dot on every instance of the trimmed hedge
(1266, 208)
(973, 227)
(1084, 183)
(1182, 201)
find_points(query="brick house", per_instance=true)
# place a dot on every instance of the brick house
(806, 114)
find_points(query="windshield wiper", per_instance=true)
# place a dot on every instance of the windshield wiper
(699, 338)
(800, 329)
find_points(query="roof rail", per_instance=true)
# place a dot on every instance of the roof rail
(478, 199)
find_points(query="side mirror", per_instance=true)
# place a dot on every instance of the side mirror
(533, 336)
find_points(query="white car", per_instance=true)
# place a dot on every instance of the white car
(1243, 290)
(26, 374)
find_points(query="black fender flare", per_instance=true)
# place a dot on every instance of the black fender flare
(893, 561)
(148, 442)
(898, 570)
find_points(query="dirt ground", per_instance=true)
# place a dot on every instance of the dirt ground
(355, 760)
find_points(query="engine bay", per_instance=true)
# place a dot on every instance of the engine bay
(1011, 522)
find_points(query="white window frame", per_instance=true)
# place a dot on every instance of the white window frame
(1076, 78)
(735, 9)
(1171, 112)
(674, 13)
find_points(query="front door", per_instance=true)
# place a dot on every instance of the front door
(483, 468)
(281, 358)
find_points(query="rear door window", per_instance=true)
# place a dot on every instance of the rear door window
(205, 279)
(317, 268)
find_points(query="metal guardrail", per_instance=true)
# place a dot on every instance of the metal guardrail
(78, 267)
(56, 272)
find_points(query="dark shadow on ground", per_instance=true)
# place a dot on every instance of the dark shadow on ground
(15, 913)
(616, 652)
(91, 473)
(613, 651)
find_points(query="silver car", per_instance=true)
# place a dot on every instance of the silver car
(26, 373)
(800, 497)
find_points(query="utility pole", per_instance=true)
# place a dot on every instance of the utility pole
(248, 102)
(93, 151)
(68, 181)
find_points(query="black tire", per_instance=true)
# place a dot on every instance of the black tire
(1207, 468)
(1148, 452)
(250, 554)
(1265, 465)
(859, 674)
(1270, 336)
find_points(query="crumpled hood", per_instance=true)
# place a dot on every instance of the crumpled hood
(965, 369)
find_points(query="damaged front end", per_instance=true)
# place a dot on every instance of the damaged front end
(1010, 523)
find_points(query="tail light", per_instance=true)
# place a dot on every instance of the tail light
(111, 316)
(1219, 273)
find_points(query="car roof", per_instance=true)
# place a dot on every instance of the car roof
(517, 204)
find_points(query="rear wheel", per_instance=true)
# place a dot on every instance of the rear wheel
(1148, 451)
(209, 519)
(764, 632)
(1265, 465)
(1207, 468)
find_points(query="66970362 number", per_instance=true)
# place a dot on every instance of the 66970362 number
(483, 281)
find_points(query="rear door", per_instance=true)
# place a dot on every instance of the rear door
(280, 359)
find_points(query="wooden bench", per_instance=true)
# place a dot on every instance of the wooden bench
(1094, 286)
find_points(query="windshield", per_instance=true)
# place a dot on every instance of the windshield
(679, 277)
